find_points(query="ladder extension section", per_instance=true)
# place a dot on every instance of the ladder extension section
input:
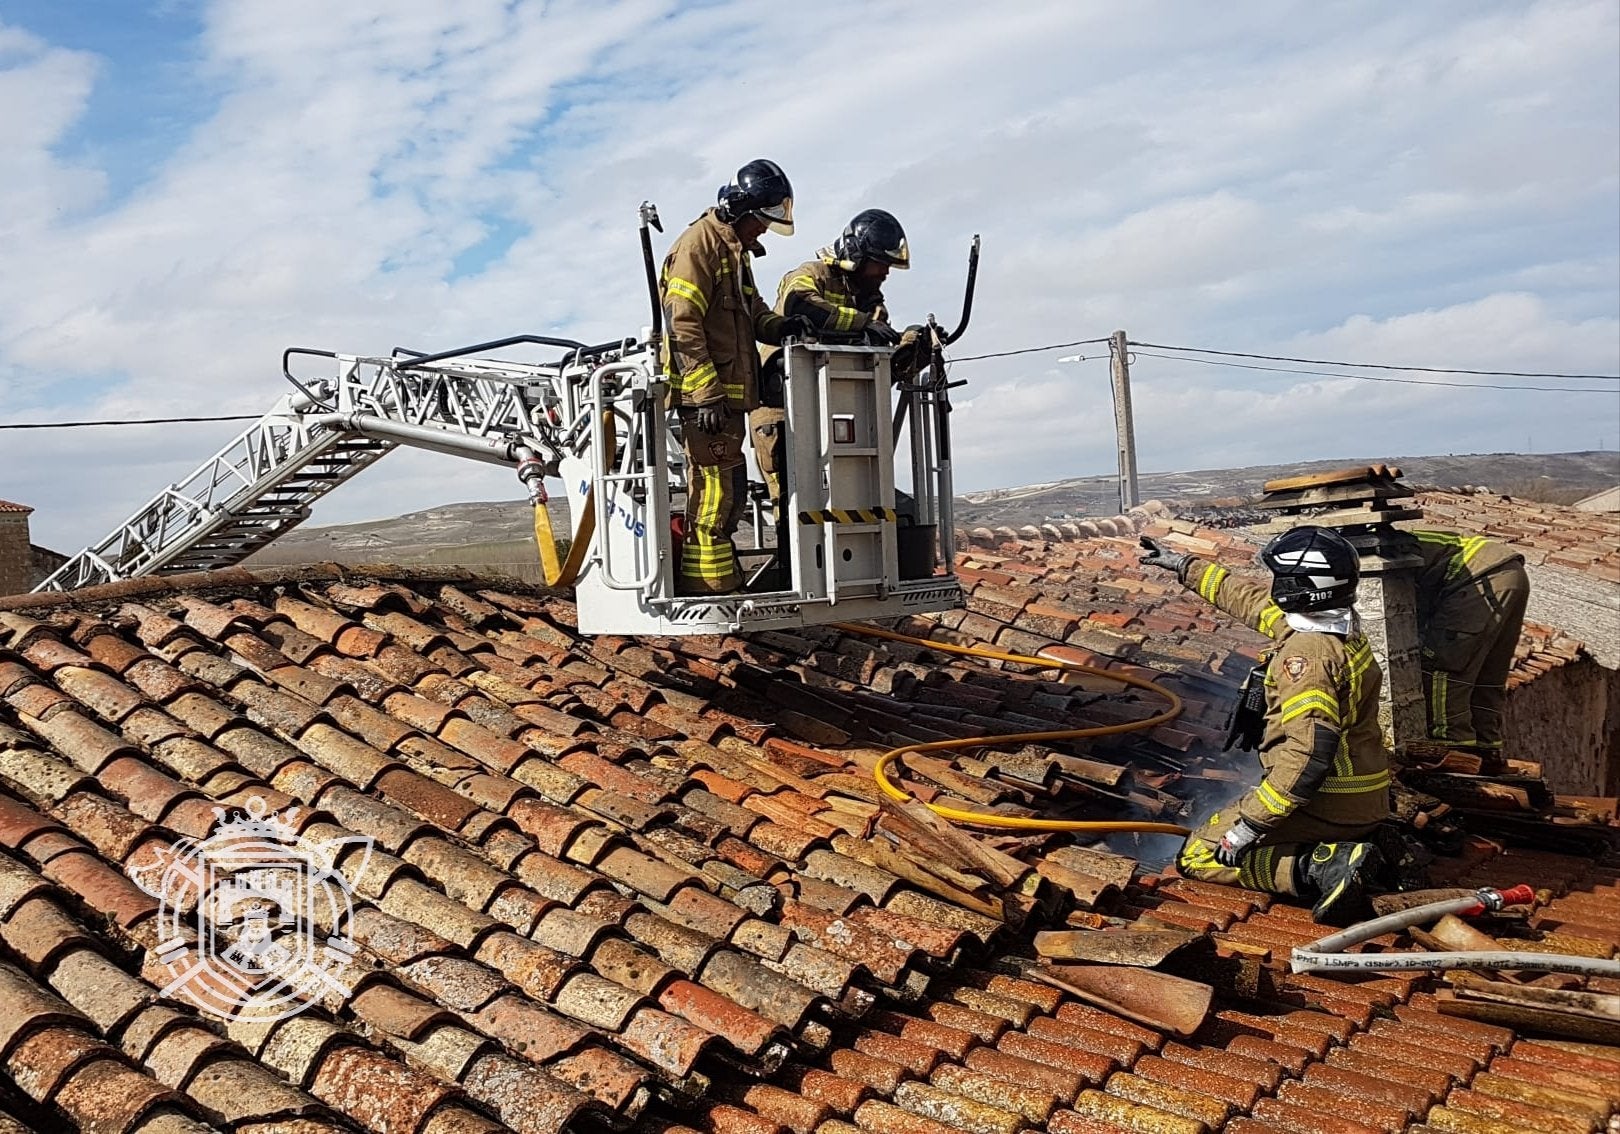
(263, 484)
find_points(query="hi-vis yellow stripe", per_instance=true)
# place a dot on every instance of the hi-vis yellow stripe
(1361, 660)
(1273, 799)
(688, 291)
(1438, 710)
(1255, 869)
(1464, 548)
(1355, 785)
(1269, 617)
(1301, 703)
(848, 516)
(1214, 575)
(698, 377)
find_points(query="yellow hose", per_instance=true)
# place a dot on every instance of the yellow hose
(563, 574)
(546, 541)
(1014, 822)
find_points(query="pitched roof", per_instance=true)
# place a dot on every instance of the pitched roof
(1606, 500)
(1588, 542)
(640, 878)
(8, 506)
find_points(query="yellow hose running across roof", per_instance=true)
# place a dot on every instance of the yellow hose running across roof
(1016, 822)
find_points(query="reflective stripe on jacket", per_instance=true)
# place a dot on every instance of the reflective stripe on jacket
(825, 294)
(714, 316)
(1451, 559)
(1322, 749)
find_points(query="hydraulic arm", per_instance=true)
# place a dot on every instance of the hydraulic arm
(326, 431)
(855, 543)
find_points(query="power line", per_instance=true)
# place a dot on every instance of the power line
(1377, 378)
(1383, 366)
(1026, 350)
(126, 421)
(1077, 343)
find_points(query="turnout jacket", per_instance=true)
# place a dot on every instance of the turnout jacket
(1322, 750)
(714, 316)
(825, 294)
(1450, 562)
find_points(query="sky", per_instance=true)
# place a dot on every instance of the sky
(193, 185)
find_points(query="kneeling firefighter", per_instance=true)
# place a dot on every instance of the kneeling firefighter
(1325, 782)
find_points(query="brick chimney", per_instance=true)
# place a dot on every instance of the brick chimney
(16, 554)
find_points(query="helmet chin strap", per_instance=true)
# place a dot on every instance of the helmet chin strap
(1341, 620)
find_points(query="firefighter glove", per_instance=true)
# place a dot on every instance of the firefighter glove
(879, 333)
(711, 418)
(1237, 839)
(797, 327)
(1155, 555)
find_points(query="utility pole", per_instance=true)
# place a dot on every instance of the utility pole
(1124, 429)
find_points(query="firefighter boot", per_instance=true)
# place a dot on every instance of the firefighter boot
(1338, 873)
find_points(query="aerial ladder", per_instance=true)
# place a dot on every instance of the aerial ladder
(851, 544)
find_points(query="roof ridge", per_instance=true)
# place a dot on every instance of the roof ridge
(221, 578)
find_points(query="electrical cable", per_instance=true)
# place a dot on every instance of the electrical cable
(1018, 822)
(1379, 378)
(1383, 366)
(127, 421)
(1077, 343)
(1026, 350)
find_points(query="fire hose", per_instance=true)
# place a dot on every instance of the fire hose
(1326, 954)
(1017, 822)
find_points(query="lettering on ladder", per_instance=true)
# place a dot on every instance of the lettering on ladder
(632, 523)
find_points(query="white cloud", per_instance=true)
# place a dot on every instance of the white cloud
(1431, 184)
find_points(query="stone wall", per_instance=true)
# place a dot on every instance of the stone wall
(16, 556)
(1568, 720)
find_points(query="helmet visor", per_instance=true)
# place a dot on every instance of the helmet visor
(899, 257)
(778, 217)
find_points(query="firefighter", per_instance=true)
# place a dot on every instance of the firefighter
(839, 292)
(715, 315)
(1325, 782)
(1471, 595)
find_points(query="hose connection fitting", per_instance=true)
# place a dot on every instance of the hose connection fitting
(1493, 900)
(531, 472)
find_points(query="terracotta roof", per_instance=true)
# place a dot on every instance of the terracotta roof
(1583, 541)
(8, 506)
(640, 879)
(1542, 649)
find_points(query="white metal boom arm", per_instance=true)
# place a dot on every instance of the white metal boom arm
(850, 541)
(263, 483)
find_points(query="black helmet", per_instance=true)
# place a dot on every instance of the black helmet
(872, 235)
(1313, 569)
(762, 190)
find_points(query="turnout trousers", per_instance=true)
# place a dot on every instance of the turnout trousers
(716, 482)
(1268, 864)
(1467, 653)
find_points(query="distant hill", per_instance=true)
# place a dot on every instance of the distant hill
(501, 533)
(1552, 478)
